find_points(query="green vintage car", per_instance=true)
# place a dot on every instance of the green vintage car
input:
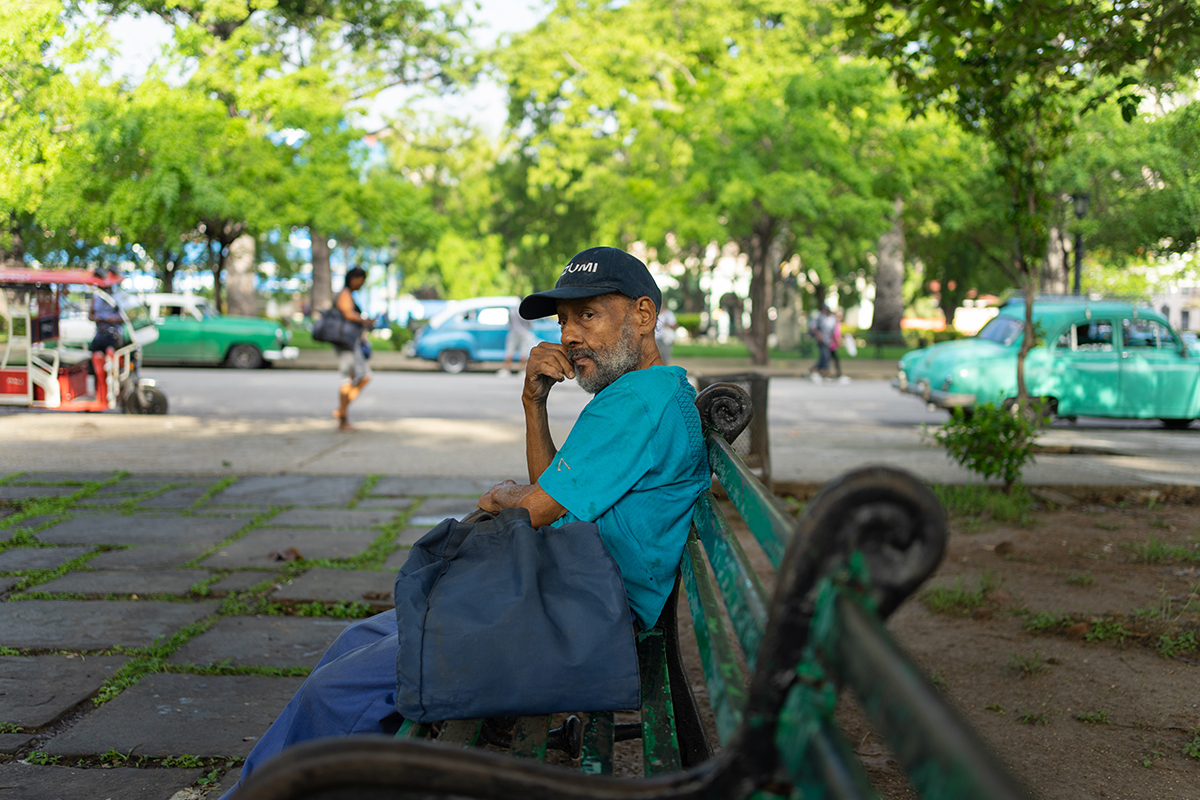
(190, 331)
(1098, 358)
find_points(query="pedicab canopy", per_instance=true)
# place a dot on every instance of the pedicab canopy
(28, 276)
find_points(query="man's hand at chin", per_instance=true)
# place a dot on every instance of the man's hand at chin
(543, 509)
(548, 364)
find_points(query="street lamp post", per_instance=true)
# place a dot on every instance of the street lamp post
(1081, 207)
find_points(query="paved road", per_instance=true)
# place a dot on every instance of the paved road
(471, 425)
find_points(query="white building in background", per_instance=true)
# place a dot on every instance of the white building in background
(1179, 301)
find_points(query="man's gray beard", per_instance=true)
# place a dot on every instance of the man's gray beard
(610, 364)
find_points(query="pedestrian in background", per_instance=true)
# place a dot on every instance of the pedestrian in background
(110, 326)
(664, 333)
(352, 359)
(822, 329)
(519, 340)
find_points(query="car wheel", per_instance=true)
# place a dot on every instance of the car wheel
(453, 361)
(244, 356)
(146, 400)
(1176, 424)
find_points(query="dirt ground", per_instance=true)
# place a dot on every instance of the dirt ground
(1069, 643)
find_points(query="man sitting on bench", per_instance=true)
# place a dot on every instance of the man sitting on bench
(634, 464)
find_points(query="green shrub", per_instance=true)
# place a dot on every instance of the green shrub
(400, 336)
(990, 441)
(690, 323)
(986, 501)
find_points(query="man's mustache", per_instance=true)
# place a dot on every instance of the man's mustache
(581, 352)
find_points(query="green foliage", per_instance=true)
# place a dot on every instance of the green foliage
(1084, 578)
(995, 708)
(1032, 718)
(1045, 621)
(991, 441)
(1171, 646)
(1155, 551)
(1098, 717)
(1192, 748)
(41, 758)
(341, 609)
(1026, 666)
(958, 599)
(400, 336)
(8, 727)
(1107, 630)
(690, 323)
(182, 762)
(986, 502)
(9, 651)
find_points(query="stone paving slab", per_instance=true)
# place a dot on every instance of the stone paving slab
(34, 492)
(238, 582)
(409, 536)
(102, 582)
(89, 625)
(31, 522)
(10, 743)
(165, 715)
(147, 556)
(37, 690)
(62, 477)
(179, 497)
(263, 641)
(27, 782)
(130, 488)
(396, 559)
(330, 585)
(397, 503)
(38, 557)
(408, 487)
(332, 518)
(8, 583)
(290, 490)
(123, 529)
(111, 501)
(255, 548)
(442, 507)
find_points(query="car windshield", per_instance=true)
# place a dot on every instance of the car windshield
(1004, 330)
(206, 310)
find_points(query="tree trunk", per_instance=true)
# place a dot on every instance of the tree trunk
(13, 255)
(216, 261)
(322, 280)
(243, 301)
(1055, 278)
(762, 248)
(889, 276)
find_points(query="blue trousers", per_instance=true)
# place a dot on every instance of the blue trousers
(352, 690)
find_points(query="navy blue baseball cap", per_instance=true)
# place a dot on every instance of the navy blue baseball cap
(595, 271)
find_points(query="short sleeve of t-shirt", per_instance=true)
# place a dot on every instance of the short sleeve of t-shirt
(610, 449)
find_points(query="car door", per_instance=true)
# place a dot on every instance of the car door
(1156, 381)
(1086, 369)
(177, 331)
(491, 328)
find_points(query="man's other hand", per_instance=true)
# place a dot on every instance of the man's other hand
(542, 507)
(548, 364)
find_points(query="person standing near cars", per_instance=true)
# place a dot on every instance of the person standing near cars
(352, 360)
(110, 327)
(822, 330)
(518, 341)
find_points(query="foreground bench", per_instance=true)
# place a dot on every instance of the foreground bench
(866, 543)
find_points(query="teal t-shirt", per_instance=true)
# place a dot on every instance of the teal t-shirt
(634, 464)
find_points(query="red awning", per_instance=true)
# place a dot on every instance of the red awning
(27, 276)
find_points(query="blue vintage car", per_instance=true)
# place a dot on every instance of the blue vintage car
(1097, 358)
(473, 330)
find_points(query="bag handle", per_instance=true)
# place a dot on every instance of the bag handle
(479, 522)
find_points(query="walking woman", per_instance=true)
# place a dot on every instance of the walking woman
(352, 361)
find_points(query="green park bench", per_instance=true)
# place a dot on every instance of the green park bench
(865, 543)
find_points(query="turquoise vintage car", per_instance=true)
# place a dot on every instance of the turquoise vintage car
(1098, 358)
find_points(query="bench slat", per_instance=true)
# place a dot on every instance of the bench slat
(936, 746)
(461, 732)
(660, 746)
(530, 736)
(741, 588)
(725, 679)
(771, 524)
(597, 758)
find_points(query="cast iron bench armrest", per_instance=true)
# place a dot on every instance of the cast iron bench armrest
(865, 543)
